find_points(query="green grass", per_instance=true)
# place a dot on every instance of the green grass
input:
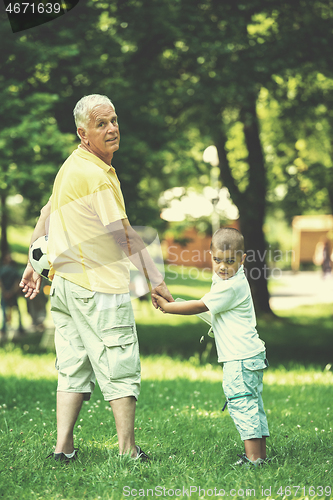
(179, 423)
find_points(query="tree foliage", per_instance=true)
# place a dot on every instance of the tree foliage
(253, 78)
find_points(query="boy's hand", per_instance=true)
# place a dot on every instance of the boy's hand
(161, 302)
(161, 290)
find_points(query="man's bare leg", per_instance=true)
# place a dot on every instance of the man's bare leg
(124, 415)
(68, 409)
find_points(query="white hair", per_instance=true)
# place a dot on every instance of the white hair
(84, 107)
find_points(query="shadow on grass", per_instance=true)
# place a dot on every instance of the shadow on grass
(290, 342)
(31, 343)
(286, 342)
(300, 338)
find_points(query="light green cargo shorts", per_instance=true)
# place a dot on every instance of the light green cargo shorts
(95, 338)
(242, 386)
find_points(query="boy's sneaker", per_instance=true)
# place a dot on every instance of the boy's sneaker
(243, 460)
(61, 457)
(141, 455)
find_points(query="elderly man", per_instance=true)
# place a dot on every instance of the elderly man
(91, 244)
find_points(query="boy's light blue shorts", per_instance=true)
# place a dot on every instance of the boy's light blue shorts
(242, 386)
(95, 338)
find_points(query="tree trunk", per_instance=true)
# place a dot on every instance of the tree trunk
(4, 222)
(252, 211)
(251, 205)
(255, 264)
(329, 180)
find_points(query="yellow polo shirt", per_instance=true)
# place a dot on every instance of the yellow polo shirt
(86, 198)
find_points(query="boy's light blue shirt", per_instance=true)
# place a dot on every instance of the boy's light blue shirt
(233, 318)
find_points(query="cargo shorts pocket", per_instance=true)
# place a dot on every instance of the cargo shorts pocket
(255, 364)
(122, 351)
(83, 300)
(253, 370)
(83, 294)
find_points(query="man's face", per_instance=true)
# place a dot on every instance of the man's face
(101, 136)
(226, 263)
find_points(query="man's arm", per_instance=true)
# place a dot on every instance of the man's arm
(31, 281)
(186, 308)
(133, 246)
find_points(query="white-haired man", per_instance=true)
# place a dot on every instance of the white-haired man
(90, 244)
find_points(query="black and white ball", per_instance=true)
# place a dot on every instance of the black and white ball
(38, 256)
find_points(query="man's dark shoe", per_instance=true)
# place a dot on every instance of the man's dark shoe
(141, 455)
(61, 457)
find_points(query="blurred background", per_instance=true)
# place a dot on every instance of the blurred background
(225, 112)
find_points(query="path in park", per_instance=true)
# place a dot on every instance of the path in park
(303, 288)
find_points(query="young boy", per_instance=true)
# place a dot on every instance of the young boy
(238, 345)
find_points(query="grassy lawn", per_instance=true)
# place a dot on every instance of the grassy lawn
(179, 421)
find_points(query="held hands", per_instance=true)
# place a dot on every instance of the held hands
(161, 292)
(30, 282)
(162, 304)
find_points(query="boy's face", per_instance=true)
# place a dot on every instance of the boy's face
(226, 263)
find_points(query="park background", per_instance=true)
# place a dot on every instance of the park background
(250, 83)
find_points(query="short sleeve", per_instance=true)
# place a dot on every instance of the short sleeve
(107, 205)
(220, 300)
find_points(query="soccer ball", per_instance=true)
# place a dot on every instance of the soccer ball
(38, 257)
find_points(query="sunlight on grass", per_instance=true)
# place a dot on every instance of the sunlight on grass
(188, 291)
(35, 367)
(32, 367)
(299, 376)
(179, 423)
(166, 368)
(305, 313)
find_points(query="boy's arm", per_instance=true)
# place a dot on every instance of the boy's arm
(187, 307)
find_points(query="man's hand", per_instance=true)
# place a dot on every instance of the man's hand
(30, 282)
(163, 291)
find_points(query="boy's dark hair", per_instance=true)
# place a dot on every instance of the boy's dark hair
(228, 238)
